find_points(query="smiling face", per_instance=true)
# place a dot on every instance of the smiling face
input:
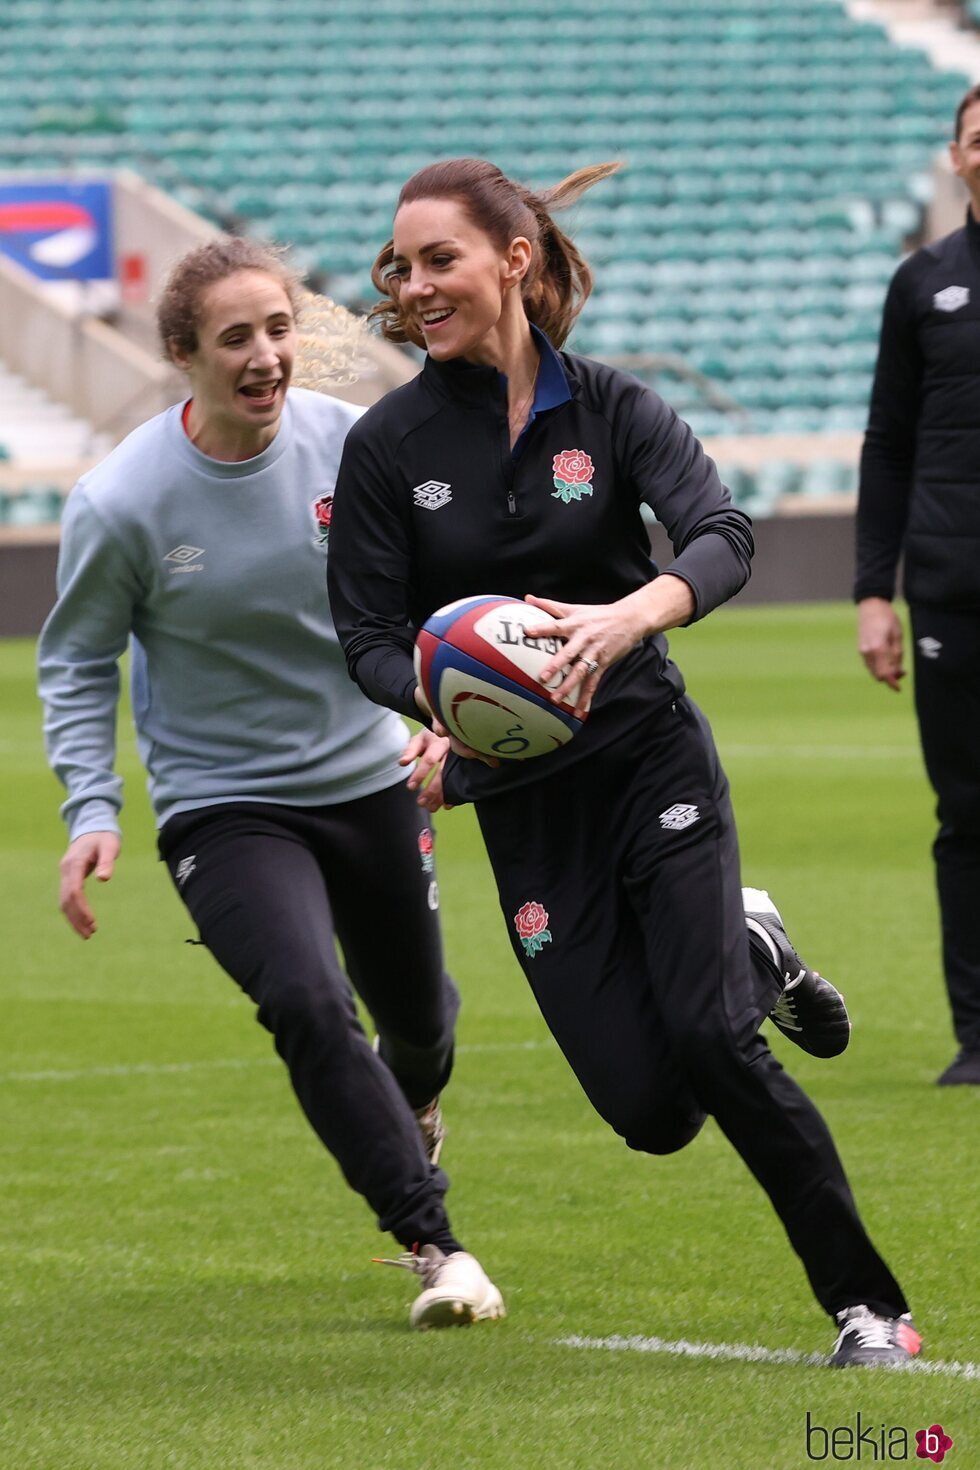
(454, 287)
(241, 367)
(965, 154)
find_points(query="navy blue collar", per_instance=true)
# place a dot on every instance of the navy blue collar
(552, 386)
(551, 389)
(471, 383)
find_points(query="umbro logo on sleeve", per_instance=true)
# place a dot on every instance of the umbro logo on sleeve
(679, 816)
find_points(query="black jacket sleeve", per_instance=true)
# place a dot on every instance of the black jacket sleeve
(368, 572)
(712, 541)
(889, 446)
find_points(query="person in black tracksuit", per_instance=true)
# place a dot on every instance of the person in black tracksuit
(511, 468)
(920, 500)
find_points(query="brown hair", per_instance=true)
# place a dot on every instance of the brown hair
(179, 306)
(558, 281)
(972, 96)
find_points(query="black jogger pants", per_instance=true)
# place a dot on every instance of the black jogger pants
(947, 702)
(270, 887)
(619, 882)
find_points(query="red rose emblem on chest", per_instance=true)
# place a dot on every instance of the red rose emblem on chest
(572, 475)
(573, 467)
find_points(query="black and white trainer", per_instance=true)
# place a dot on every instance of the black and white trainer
(810, 1011)
(868, 1340)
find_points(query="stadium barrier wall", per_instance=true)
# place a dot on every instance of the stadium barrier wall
(804, 557)
(799, 558)
(110, 372)
(153, 231)
(79, 361)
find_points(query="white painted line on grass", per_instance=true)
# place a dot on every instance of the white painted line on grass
(474, 1046)
(154, 1069)
(821, 752)
(135, 1069)
(741, 1352)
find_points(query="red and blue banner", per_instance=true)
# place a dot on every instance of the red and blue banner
(58, 230)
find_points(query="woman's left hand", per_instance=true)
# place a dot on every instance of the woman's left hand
(594, 636)
(427, 752)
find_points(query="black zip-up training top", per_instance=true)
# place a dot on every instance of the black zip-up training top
(433, 505)
(920, 466)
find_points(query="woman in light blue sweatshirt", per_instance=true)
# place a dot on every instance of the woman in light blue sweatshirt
(279, 789)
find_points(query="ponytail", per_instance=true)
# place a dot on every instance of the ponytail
(558, 282)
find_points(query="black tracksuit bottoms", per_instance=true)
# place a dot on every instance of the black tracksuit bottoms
(947, 702)
(619, 882)
(270, 889)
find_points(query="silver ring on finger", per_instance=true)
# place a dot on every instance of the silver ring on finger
(590, 665)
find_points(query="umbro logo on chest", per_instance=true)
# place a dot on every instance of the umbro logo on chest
(952, 298)
(186, 559)
(432, 495)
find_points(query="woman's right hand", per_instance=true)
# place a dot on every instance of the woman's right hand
(426, 752)
(880, 640)
(95, 852)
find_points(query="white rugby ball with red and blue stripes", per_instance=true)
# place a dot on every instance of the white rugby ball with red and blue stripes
(479, 672)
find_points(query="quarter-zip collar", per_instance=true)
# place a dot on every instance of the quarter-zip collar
(476, 385)
(466, 382)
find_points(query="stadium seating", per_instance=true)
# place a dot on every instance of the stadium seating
(777, 154)
(35, 505)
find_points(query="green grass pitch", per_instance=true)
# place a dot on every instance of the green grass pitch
(186, 1282)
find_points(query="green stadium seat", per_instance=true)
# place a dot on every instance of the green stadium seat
(34, 506)
(778, 156)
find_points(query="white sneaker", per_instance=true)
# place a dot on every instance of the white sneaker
(455, 1289)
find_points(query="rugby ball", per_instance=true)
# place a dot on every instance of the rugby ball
(479, 672)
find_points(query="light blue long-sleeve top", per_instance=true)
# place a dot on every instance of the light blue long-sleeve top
(217, 572)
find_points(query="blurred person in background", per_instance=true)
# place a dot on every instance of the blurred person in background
(279, 789)
(616, 857)
(919, 502)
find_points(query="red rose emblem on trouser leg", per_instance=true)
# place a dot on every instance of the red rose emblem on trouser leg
(572, 471)
(531, 923)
